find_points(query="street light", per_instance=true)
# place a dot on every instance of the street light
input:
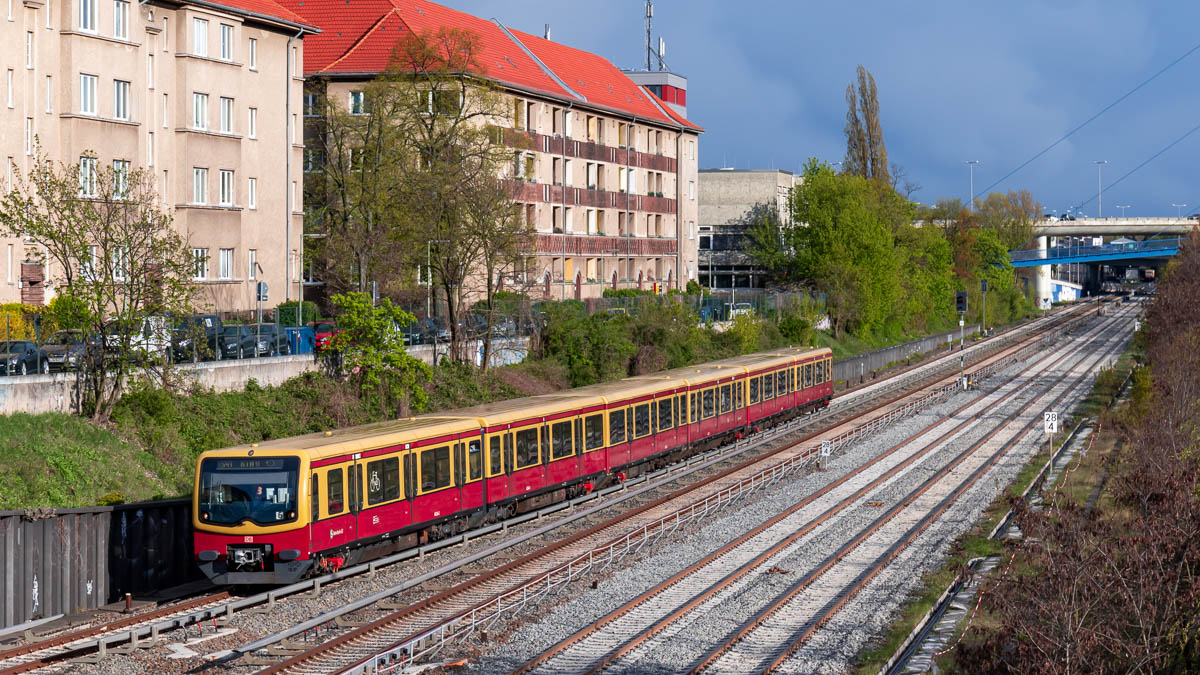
(1099, 187)
(1178, 208)
(971, 197)
(1122, 207)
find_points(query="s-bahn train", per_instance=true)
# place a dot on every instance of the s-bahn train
(274, 512)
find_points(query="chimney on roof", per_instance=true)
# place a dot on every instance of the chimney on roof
(547, 34)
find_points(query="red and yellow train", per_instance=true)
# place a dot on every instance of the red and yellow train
(273, 512)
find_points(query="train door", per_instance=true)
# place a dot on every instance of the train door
(618, 437)
(437, 494)
(664, 422)
(563, 462)
(336, 524)
(495, 467)
(739, 402)
(592, 460)
(470, 450)
(643, 430)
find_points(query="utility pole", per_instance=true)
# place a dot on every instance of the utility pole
(1099, 186)
(971, 197)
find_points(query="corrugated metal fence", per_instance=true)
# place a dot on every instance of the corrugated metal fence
(862, 366)
(68, 560)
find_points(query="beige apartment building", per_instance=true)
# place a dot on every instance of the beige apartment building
(729, 199)
(606, 172)
(204, 94)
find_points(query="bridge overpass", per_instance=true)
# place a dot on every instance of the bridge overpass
(1114, 227)
(1154, 249)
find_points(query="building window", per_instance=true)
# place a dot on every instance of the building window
(691, 189)
(252, 193)
(226, 115)
(226, 191)
(121, 19)
(200, 37)
(691, 229)
(28, 135)
(567, 166)
(149, 71)
(226, 42)
(252, 262)
(87, 15)
(199, 185)
(225, 264)
(49, 94)
(87, 94)
(87, 176)
(120, 100)
(120, 263)
(252, 123)
(10, 87)
(120, 178)
(29, 50)
(166, 109)
(357, 102)
(295, 62)
(199, 264)
(253, 54)
(150, 149)
(199, 111)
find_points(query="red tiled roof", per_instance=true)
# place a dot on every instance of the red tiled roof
(265, 8)
(359, 36)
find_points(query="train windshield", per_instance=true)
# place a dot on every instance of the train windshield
(259, 490)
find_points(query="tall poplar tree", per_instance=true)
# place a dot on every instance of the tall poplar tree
(866, 154)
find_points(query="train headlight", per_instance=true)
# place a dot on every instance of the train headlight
(204, 515)
(291, 514)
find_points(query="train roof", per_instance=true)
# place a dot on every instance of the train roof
(365, 436)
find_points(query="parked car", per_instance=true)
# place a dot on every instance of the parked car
(434, 329)
(737, 309)
(21, 357)
(197, 338)
(250, 340)
(66, 350)
(323, 332)
(149, 338)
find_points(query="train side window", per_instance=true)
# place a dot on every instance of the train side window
(561, 435)
(616, 426)
(726, 399)
(641, 420)
(791, 377)
(768, 387)
(665, 414)
(495, 457)
(681, 410)
(806, 376)
(578, 434)
(383, 480)
(781, 382)
(527, 448)
(435, 468)
(316, 497)
(333, 492)
(354, 478)
(593, 432)
(693, 408)
(739, 394)
(474, 460)
(818, 372)
(753, 390)
(508, 451)
(709, 403)
(629, 424)
(828, 370)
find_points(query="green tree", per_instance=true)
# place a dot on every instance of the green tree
(1011, 215)
(371, 348)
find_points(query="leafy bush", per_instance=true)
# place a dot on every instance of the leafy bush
(286, 313)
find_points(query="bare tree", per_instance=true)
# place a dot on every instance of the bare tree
(866, 153)
(114, 250)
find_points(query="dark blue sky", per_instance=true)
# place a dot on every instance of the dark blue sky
(996, 82)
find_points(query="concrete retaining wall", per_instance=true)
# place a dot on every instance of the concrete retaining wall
(863, 366)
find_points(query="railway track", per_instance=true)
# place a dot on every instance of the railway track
(622, 637)
(457, 610)
(72, 644)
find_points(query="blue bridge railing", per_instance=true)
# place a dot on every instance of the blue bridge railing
(1133, 249)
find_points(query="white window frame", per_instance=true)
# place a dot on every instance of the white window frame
(226, 42)
(199, 111)
(87, 94)
(225, 263)
(87, 264)
(87, 176)
(120, 100)
(358, 103)
(88, 15)
(252, 263)
(226, 115)
(199, 264)
(29, 51)
(691, 189)
(252, 193)
(120, 263)
(49, 94)
(199, 185)
(225, 187)
(199, 37)
(121, 169)
(121, 19)
(28, 135)
(150, 71)
(252, 53)
(149, 148)
(252, 123)
(568, 167)
(10, 87)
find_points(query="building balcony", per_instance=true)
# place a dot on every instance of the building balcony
(600, 245)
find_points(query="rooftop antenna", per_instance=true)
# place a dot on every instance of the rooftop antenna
(547, 34)
(662, 51)
(649, 16)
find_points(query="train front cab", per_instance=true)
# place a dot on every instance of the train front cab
(247, 516)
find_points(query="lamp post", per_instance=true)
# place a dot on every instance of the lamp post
(1178, 209)
(1122, 207)
(971, 197)
(1099, 186)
